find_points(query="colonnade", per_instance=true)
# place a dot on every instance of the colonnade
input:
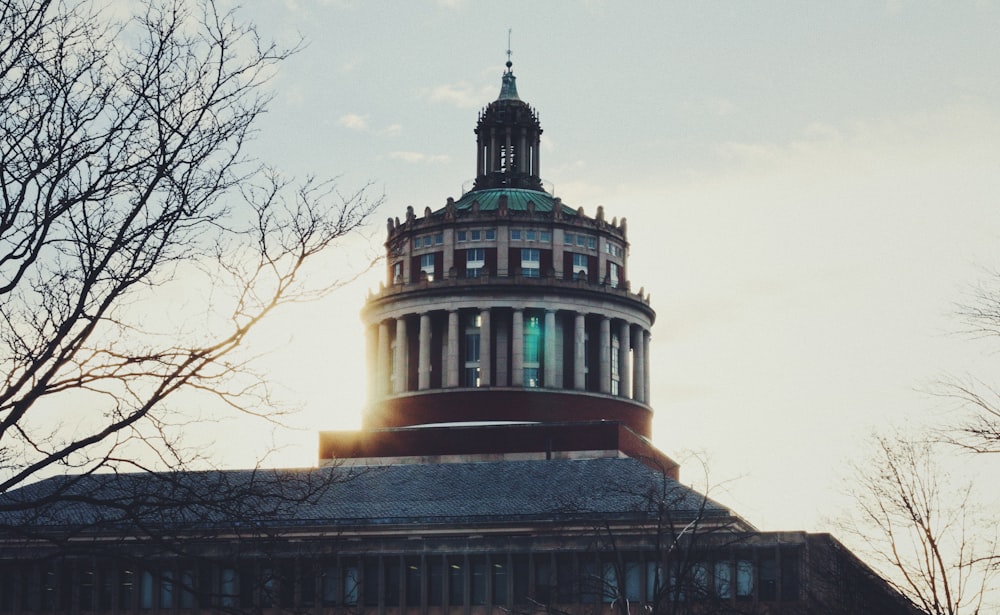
(510, 347)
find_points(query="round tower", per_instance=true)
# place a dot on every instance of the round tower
(507, 305)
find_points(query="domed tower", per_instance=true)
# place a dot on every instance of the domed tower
(505, 307)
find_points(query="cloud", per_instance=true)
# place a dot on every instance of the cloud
(462, 95)
(354, 121)
(419, 157)
(391, 130)
(451, 4)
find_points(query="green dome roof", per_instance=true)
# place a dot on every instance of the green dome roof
(517, 200)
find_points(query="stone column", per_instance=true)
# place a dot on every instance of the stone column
(383, 370)
(646, 370)
(485, 351)
(549, 337)
(451, 369)
(517, 349)
(399, 385)
(605, 358)
(638, 374)
(624, 362)
(579, 352)
(424, 368)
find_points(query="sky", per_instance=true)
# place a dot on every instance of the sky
(811, 189)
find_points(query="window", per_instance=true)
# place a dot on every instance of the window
(543, 579)
(475, 260)
(456, 582)
(187, 589)
(427, 266)
(146, 590)
(789, 574)
(490, 234)
(227, 587)
(126, 584)
(565, 579)
(435, 583)
(724, 579)
(530, 235)
(613, 274)
(438, 239)
(167, 590)
(371, 584)
(472, 353)
(397, 273)
(592, 243)
(545, 236)
(391, 587)
(579, 264)
(767, 581)
(413, 581)
(351, 583)
(477, 586)
(532, 343)
(744, 579)
(499, 572)
(461, 236)
(654, 580)
(475, 235)
(613, 249)
(699, 580)
(515, 234)
(616, 376)
(568, 238)
(581, 240)
(609, 582)
(530, 263)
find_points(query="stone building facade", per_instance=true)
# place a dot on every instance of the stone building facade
(504, 466)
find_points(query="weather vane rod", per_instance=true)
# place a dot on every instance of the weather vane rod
(508, 47)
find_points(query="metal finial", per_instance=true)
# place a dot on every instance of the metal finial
(509, 63)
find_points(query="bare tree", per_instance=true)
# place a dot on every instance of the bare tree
(921, 528)
(979, 430)
(124, 183)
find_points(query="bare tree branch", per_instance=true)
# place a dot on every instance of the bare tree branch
(123, 181)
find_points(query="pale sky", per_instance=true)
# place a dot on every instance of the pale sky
(810, 188)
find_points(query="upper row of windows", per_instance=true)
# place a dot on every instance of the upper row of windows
(490, 234)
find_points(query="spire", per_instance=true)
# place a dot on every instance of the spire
(508, 88)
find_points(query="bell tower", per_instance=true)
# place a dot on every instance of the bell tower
(508, 137)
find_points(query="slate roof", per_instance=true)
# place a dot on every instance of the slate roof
(436, 493)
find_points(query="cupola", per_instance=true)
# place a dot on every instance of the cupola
(508, 137)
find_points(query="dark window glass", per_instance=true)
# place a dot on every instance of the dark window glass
(789, 575)
(478, 585)
(330, 582)
(591, 583)
(247, 583)
(392, 580)
(413, 582)
(126, 588)
(499, 582)
(371, 582)
(767, 578)
(456, 582)
(187, 589)
(87, 578)
(520, 574)
(435, 584)
(543, 579)
(565, 577)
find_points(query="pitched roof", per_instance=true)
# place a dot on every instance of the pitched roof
(433, 493)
